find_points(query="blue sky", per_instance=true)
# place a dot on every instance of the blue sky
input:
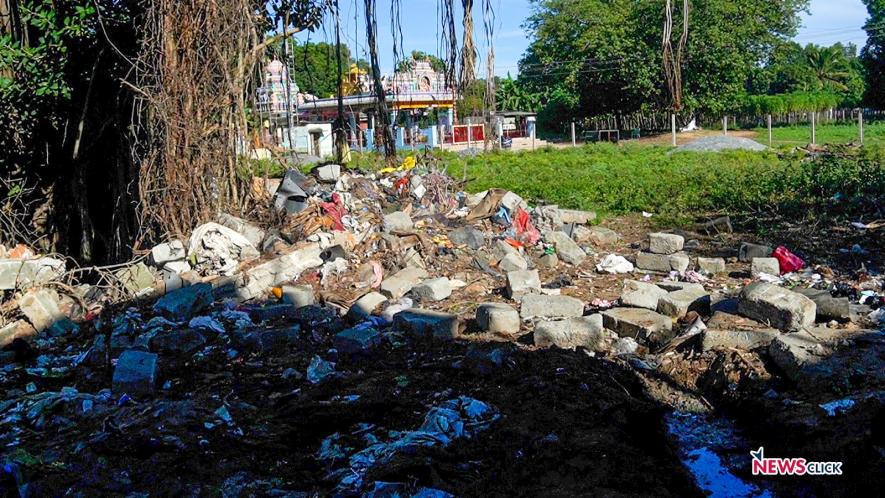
(828, 22)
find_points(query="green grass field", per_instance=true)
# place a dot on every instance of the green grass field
(630, 179)
(874, 134)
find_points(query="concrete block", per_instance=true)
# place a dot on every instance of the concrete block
(21, 329)
(498, 318)
(182, 304)
(357, 340)
(640, 324)
(260, 279)
(540, 306)
(520, 283)
(749, 251)
(329, 173)
(40, 307)
(366, 305)
(744, 340)
(665, 243)
(779, 307)
(500, 249)
(770, 266)
(566, 249)
(135, 373)
(577, 217)
(252, 232)
(597, 236)
(679, 262)
(469, 236)
(672, 286)
(402, 282)
(677, 304)
(168, 252)
(586, 332)
(434, 289)
(513, 262)
(16, 273)
(794, 352)
(177, 342)
(426, 324)
(662, 262)
(828, 307)
(397, 221)
(641, 294)
(711, 266)
(298, 295)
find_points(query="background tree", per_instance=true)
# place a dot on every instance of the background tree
(64, 123)
(315, 67)
(513, 96)
(407, 65)
(471, 100)
(792, 68)
(605, 54)
(873, 55)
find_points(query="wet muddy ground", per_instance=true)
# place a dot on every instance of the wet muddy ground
(251, 423)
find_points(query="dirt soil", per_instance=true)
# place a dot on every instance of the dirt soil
(570, 424)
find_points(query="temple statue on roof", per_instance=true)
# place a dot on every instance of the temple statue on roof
(422, 78)
(279, 94)
(357, 81)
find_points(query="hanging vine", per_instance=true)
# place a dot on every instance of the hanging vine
(449, 39)
(468, 50)
(384, 137)
(488, 17)
(672, 60)
(194, 79)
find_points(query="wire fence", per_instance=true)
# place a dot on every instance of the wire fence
(832, 126)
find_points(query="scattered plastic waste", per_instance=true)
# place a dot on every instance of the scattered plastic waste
(838, 406)
(319, 369)
(463, 417)
(601, 303)
(788, 261)
(614, 264)
(403, 304)
(206, 323)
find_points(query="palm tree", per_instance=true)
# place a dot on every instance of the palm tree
(829, 67)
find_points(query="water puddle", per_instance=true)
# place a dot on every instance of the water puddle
(711, 450)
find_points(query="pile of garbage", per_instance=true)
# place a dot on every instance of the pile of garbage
(402, 257)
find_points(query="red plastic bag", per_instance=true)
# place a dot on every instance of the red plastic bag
(789, 262)
(525, 231)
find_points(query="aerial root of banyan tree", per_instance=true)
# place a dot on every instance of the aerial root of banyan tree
(193, 78)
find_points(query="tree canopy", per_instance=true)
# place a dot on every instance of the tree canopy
(873, 55)
(832, 70)
(604, 56)
(407, 65)
(315, 68)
